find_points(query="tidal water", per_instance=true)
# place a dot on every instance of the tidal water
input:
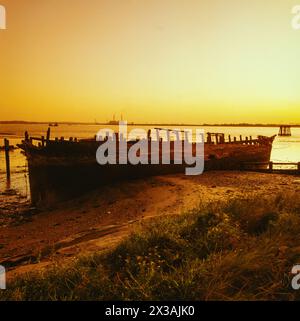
(285, 149)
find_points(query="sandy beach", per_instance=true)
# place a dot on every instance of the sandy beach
(101, 219)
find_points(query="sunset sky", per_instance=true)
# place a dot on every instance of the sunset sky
(192, 61)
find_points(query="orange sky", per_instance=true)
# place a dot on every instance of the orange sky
(186, 61)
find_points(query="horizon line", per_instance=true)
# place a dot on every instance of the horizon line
(241, 124)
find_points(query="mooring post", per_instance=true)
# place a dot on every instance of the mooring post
(299, 168)
(48, 135)
(271, 166)
(221, 137)
(209, 138)
(116, 138)
(6, 148)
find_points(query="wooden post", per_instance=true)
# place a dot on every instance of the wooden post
(6, 148)
(48, 135)
(43, 141)
(223, 139)
(229, 138)
(209, 138)
(234, 138)
(26, 137)
(116, 137)
(271, 166)
(241, 138)
(299, 168)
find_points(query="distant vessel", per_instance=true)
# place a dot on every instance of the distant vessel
(61, 170)
(114, 121)
(53, 124)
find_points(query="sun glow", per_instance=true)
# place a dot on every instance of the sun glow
(172, 61)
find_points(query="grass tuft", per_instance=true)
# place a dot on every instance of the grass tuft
(241, 250)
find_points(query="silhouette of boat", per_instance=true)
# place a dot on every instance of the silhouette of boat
(63, 169)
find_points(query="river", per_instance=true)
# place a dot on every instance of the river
(285, 149)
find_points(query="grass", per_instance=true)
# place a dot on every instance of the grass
(240, 250)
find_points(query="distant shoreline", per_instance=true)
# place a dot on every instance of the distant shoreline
(18, 122)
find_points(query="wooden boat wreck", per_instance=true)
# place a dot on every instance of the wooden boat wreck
(63, 169)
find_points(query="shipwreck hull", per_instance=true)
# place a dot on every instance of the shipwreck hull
(58, 173)
(66, 182)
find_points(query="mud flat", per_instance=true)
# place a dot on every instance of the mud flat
(97, 221)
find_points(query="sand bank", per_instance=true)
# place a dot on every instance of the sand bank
(99, 220)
